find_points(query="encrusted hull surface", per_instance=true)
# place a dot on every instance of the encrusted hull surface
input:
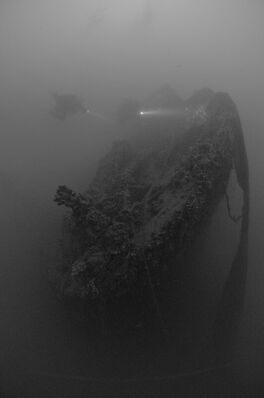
(153, 241)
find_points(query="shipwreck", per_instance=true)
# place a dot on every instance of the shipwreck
(159, 239)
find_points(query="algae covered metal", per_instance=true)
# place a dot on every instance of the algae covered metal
(153, 195)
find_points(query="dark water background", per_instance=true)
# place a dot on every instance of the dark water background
(106, 51)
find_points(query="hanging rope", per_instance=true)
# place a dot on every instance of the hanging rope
(231, 216)
(231, 306)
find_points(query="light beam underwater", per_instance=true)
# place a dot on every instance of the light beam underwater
(96, 114)
(162, 112)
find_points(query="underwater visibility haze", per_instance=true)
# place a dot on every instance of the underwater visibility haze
(144, 121)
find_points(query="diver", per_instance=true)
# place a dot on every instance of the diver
(67, 104)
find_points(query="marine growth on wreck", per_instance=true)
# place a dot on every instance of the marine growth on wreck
(149, 199)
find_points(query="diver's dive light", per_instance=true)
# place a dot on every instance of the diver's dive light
(197, 115)
(96, 114)
(161, 112)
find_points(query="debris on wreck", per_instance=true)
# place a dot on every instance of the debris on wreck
(147, 202)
